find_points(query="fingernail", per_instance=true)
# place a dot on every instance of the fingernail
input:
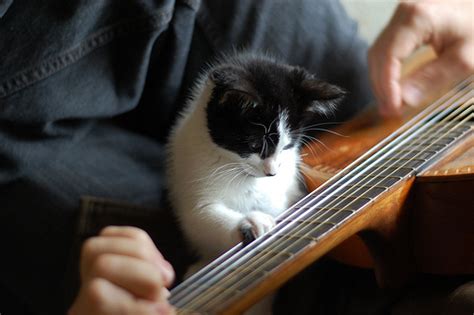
(412, 95)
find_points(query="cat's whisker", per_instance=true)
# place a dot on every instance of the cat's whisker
(316, 140)
(262, 152)
(304, 128)
(304, 167)
(226, 173)
(273, 142)
(273, 121)
(239, 172)
(221, 174)
(215, 172)
(326, 130)
(310, 147)
(245, 172)
(261, 125)
(300, 179)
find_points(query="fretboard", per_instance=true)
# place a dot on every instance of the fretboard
(323, 212)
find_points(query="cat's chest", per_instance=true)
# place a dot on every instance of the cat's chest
(266, 195)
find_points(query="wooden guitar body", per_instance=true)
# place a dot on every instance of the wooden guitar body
(425, 225)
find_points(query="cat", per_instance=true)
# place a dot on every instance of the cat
(233, 155)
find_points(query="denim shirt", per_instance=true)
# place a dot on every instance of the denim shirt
(88, 92)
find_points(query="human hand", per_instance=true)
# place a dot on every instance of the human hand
(444, 24)
(122, 272)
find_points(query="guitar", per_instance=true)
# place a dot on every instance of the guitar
(408, 199)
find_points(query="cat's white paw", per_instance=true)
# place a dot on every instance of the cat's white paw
(254, 225)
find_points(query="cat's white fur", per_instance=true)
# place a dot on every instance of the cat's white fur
(212, 202)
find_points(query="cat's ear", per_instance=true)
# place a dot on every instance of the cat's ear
(227, 76)
(233, 86)
(320, 96)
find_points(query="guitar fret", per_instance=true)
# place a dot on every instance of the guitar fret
(383, 177)
(301, 242)
(274, 252)
(386, 172)
(335, 217)
(294, 236)
(273, 262)
(430, 146)
(243, 271)
(303, 221)
(362, 186)
(352, 197)
(331, 209)
(430, 139)
(343, 204)
(411, 155)
(446, 134)
(427, 152)
(298, 241)
(396, 158)
(323, 228)
(394, 167)
(387, 181)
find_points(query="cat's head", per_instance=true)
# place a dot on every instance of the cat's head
(259, 108)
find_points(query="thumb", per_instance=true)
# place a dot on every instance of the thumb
(433, 77)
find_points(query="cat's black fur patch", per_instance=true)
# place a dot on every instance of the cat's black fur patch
(250, 89)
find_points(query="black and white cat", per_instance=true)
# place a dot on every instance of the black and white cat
(233, 154)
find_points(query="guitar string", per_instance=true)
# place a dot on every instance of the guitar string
(405, 163)
(276, 251)
(372, 153)
(185, 288)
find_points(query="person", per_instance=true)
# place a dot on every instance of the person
(88, 92)
(446, 26)
(78, 114)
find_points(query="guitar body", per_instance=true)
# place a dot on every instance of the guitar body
(425, 225)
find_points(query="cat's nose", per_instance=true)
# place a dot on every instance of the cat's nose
(270, 167)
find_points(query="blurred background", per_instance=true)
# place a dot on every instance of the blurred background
(372, 15)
